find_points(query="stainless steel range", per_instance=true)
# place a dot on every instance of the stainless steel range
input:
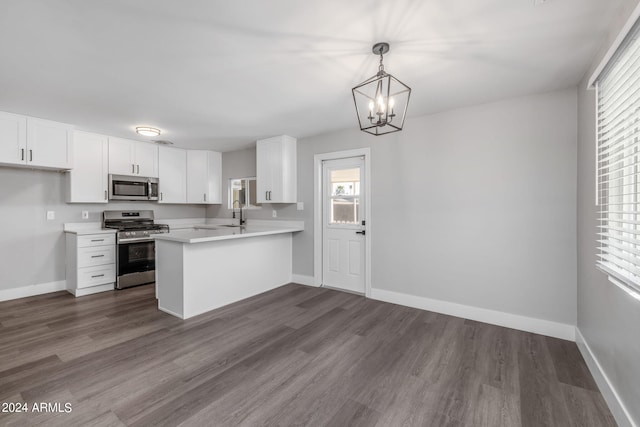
(135, 247)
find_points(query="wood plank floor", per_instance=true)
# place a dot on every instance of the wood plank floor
(292, 356)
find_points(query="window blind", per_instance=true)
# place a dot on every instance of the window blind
(618, 164)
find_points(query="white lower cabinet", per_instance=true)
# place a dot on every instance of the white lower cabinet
(91, 263)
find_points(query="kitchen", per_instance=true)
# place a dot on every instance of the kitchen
(452, 208)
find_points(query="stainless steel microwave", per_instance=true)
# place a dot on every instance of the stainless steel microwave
(123, 187)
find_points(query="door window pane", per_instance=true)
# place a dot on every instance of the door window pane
(345, 211)
(345, 196)
(345, 182)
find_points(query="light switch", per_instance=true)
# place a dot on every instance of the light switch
(274, 214)
(300, 206)
(51, 215)
(85, 214)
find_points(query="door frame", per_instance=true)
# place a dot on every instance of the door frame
(317, 214)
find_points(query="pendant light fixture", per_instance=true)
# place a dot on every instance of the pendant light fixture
(381, 101)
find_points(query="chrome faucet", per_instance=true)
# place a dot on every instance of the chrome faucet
(233, 212)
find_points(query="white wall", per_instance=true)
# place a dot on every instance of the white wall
(32, 249)
(608, 318)
(474, 206)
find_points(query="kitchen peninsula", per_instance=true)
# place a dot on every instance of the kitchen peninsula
(204, 267)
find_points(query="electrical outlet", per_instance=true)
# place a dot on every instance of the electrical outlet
(274, 214)
(85, 214)
(51, 215)
(300, 206)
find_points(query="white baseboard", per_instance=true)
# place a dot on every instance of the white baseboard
(170, 312)
(304, 280)
(619, 411)
(31, 290)
(514, 321)
(92, 290)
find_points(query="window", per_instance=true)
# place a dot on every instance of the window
(345, 196)
(242, 193)
(618, 165)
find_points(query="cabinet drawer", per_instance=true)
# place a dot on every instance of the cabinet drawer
(93, 276)
(96, 240)
(96, 255)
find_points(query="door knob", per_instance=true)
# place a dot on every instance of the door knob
(361, 232)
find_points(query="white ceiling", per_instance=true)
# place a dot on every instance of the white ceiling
(220, 74)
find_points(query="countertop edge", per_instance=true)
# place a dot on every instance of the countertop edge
(167, 237)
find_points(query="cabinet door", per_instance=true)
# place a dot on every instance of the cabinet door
(264, 170)
(13, 138)
(197, 170)
(214, 177)
(121, 157)
(49, 144)
(288, 177)
(146, 159)
(276, 170)
(172, 168)
(204, 177)
(89, 179)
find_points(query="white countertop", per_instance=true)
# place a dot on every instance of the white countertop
(201, 233)
(84, 228)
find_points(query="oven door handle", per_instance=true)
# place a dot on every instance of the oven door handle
(135, 240)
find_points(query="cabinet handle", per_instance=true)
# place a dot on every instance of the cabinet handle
(31, 155)
(161, 193)
(138, 172)
(105, 194)
(205, 197)
(97, 275)
(98, 240)
(133, 168)
(97, 256)
(22, 154)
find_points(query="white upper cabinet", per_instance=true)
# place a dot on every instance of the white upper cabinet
(172, 166)
(128, 157)
(89, 179)
(13, 139)
(146, 157)
(50, 144)
(204, 177)
(276, 170)
(37, 143)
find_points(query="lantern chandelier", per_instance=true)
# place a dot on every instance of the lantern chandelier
(381, 101)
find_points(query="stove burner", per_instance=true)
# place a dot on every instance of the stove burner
(131, 225)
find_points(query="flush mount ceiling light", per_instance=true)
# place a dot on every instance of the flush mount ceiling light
(147, 131)
(381, 101)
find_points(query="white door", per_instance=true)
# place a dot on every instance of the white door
(343, 248)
